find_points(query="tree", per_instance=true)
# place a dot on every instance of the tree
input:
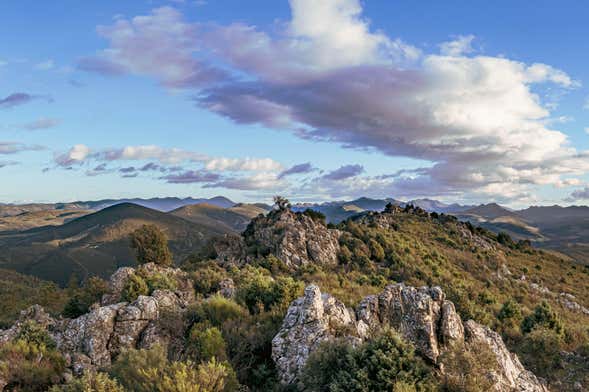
(282, 203)
(151, 245)
(543, 316)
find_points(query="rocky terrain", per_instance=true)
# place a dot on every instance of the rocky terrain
(422, 315)
(294, 238)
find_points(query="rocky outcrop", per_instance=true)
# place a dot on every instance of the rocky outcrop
(421, 315)
(294, 238)
(310, 320)
(94, 339)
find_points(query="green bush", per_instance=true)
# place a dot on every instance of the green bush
(540, 350)
(386, 363)
(205, 342)
(134, 287)
(151, 371)
(262, 292)
(80, 302)
(158, 281)
(151, 245)
(216, 310)
(543, 316)
(206, 278)
(90, 382)
(30, 362)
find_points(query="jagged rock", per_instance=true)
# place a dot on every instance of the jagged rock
(309, 321)
(422, 315)
(294, 238)
(511, 374)
(116, 284)
(92, 340)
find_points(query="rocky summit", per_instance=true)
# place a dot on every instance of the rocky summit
(422, 315)
(294, 238)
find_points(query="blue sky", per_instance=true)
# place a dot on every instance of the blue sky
(469, 102)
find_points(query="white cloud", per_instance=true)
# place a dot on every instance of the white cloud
(243, 164)
(458, 47)
(480, 121)
(77, 154)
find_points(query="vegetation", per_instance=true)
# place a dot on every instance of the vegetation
(386, 363)
(151, 245)
(30, 362)
(81, 299)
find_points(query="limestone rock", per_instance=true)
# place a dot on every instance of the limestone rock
(421, 315)
(294, 238)
(309, 321)
(511, 374)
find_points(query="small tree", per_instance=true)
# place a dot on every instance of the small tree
(281, 202)
(151, 245)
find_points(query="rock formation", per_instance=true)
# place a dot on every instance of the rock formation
(422, 315)
(294, 238)
(95, 338)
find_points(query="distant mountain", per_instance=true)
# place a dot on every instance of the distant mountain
(438, 206)
(31, 219)
(164, 204)
(96, 244)
(235, 218)
(337, 211)
(490, 211)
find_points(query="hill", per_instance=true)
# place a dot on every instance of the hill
(233, 219)
(95, 244)
(30, 219)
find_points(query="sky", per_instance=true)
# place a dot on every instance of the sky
(316, 100)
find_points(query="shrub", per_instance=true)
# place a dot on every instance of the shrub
(150, 371)
(540, 350)
(90, 382)
(151, 245)
(315, 215)
(386, 363)
(468, 368)
(205, 342)
(216, 310)
(258, 291)
(206, 278)
(134, 287)
(30, 362)
(543, 316)
(80, 303)
(158, 281)
(510, 310)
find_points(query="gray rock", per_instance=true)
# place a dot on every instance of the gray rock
(421, 315)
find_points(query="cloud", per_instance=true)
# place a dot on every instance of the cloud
(458, 47)
(244, 164)
(13, 147)
(302, 168)
(579, 194)
(346, 171)
(481, 122)
(190, 177)
(145, 152)
(17, 99)
(257, 181)
(41, 123)
(159, 45)
(76, 155)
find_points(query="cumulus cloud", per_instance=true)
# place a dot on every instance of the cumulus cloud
(41, 123)
(160, 45)
(244, 164)
(326, 74)
(460, 46)
(303, 168)
(76, 155)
